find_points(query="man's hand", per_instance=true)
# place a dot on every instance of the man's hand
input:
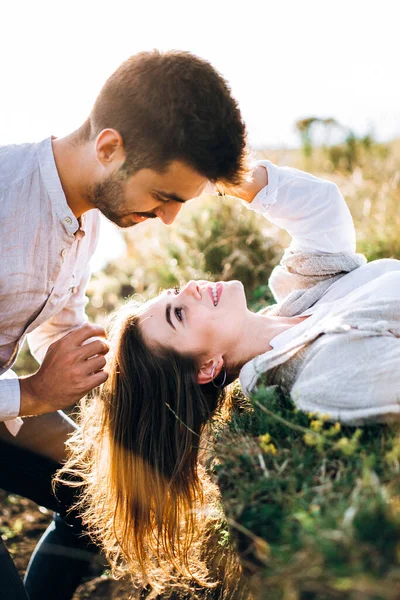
(69, 370)
(249, 189)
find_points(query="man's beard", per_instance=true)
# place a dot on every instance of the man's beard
(108, 197)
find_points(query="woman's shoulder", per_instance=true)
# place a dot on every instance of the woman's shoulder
(372, 308)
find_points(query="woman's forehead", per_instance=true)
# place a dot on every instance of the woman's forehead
(152, 320)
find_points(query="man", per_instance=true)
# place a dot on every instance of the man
(163, 125)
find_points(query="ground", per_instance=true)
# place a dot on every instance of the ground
(22, 523)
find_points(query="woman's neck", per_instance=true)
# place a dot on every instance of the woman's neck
(257, 333)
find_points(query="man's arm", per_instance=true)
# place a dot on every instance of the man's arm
(70, 367)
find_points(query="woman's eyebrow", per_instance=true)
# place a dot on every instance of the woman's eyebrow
(168, 316)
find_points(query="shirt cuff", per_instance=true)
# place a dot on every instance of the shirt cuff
(10, 402)
(268, 195)
(10, 396)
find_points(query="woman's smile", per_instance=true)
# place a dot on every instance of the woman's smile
(215, 291)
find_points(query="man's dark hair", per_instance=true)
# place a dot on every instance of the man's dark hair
(172, 106)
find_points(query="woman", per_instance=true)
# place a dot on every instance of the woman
(331, 342)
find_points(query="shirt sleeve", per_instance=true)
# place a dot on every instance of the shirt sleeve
(10, 398)
(310, 209)
(70, 317)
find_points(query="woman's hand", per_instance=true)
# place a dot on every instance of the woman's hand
(257, 180)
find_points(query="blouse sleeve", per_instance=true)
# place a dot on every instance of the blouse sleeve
(316, 216)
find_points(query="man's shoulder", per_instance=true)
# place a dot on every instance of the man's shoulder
(17, 161)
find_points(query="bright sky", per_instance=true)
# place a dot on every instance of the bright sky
(285, 59)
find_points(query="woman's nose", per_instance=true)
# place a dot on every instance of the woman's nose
(193, 289)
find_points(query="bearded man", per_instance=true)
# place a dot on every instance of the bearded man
(162, 127)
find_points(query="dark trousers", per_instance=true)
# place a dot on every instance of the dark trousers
(63, 556)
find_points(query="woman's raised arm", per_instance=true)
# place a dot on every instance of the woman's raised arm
(314, 213)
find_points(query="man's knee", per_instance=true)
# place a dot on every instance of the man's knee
(44, 434)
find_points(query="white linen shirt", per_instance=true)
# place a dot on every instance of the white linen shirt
(45, 254)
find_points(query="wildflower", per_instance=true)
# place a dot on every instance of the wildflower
(343, 442)
(264, 439)
(334, 430)
(347, 446)
(311, 439)
(316, 425)
(269, 449)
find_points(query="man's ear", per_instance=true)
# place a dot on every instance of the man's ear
(210, 370)
(110, 149)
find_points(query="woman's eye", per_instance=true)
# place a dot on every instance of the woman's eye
(178, 314)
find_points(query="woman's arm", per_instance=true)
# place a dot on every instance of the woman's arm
(311, 209)
(316, 216)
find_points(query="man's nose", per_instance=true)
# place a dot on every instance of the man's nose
(167, 213)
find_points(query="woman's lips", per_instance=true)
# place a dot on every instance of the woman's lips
(219, 287)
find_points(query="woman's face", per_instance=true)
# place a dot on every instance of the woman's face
(203, 319)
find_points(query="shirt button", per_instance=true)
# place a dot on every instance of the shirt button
(74, 289)
(64, 252)
(68, 220)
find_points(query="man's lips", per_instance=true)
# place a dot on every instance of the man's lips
(138, 218)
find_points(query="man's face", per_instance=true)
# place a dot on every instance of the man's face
(147, 194)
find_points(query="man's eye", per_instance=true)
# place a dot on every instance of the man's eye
(159, 199)
(178, 314)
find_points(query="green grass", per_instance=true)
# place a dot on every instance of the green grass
(313, 507)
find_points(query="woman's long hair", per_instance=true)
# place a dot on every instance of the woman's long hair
(136, 454)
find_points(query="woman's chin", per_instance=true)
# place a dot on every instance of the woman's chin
(234, 294)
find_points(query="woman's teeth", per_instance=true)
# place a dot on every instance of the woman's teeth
(215, 294)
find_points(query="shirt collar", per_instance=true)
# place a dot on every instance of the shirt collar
(51, 179)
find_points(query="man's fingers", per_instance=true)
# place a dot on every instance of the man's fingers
(97, 379)
(95, 364)
(93, 348)
(86, 331)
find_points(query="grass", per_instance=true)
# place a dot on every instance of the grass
(313, 506)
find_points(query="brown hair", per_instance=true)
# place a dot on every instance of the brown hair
(136, 454)
(172, 106)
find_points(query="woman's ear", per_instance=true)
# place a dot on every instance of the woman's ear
(210, 370)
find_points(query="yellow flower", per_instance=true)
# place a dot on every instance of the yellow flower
(310, 439)
(343, 442)
(264, 439)
(270, 449)
(347, 446)
(316, 425)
